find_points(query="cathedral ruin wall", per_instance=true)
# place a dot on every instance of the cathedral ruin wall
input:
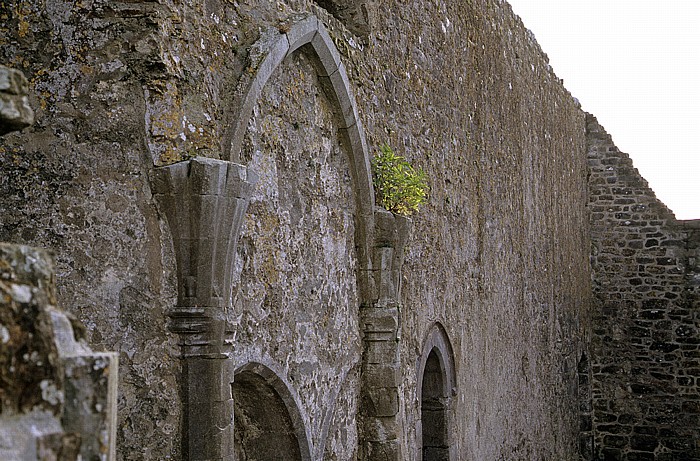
(200, 171)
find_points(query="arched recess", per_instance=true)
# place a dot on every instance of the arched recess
(436, 388)
(267, 420)
(307, 34)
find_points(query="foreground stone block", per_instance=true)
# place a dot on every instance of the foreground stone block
(15, 112)
(58, 396)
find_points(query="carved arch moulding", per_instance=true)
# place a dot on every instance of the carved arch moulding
(266, 56)
(307, 34)
(437, 340)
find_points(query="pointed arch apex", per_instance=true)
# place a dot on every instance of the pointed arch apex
(438, 340)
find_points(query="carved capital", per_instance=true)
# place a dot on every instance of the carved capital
(204, 201)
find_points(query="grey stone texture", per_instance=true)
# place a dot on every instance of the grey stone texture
(204, 201)
(645, 353)
(356, 15)
(290, 304)
(59, 398)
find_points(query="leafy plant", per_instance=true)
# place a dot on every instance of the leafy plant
(400, 188)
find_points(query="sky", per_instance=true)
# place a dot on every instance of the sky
(635, 65)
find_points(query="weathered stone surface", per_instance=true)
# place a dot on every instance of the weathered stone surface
(204, 201)
(356, 15)
(58, 397)
(15, 112)
(645, 360)
(499, 255)
(30, 370)
(297, 262)
(90, 403)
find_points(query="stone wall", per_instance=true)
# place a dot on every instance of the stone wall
(321, 305)
(645, 357)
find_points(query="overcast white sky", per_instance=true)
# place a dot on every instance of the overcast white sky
(635, 65)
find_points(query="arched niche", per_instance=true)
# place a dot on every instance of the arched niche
(267, 421)
(436, 389)
(308, 35)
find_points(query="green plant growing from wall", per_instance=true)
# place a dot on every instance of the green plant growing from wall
(399, 187)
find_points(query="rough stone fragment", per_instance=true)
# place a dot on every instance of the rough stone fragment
(66, 408)
(15, 112)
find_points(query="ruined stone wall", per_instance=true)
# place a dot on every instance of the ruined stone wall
(498, 256)
(645, 326)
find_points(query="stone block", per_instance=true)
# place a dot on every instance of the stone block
(384, 228)
(337, 87)
(59, 446)
(353, 140)
(79, 418)
(326, 51)
(264, 56)
(207, 176)
(586, 446)
(90, 403)
(239, 181)
(205, 212)
(301, 31)
(615, 441)
(208, 380)
(645, 443)
(384, 401)
(267, 53)
(379, 324)
(383, 258)
(15, 112)
(380, 352)
(383, 450)
(206, 440)
(379, 429)
(24, 436)
(169, 179)
(13, 81)
(376, 375)
(176, 208)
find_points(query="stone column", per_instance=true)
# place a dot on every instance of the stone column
(204, 201)
(380, 419)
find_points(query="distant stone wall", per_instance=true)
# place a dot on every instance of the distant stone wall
(645, 354)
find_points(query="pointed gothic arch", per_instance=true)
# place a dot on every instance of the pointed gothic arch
(306, 33)
(267, 55)
(436, 389)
